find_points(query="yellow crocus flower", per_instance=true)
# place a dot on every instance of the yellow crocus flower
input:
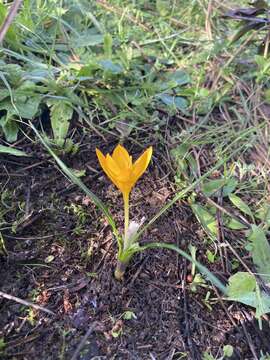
(123, 173)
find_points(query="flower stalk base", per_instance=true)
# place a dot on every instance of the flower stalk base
(120, 270)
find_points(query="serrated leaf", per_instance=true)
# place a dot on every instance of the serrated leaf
(207, 220)
(241, 205)
(260, 250)
(11, 151)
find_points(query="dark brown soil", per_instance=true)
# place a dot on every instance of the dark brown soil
(61, 255)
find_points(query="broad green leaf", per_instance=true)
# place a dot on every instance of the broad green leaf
(110, 66)
(13, 73)
(235, 225)
(210, 256)
(173, 80)
(207, 356)
(61, 114)
(206, 219)
(180, 77)
(177, 102)
(262, 303)
(162, 7)
(263, 213)
(227, 350)
(183, 158)
(11, 151)
(230, 186)
(128, 315)
(260, 250)
(211, 187)
(244, 289)
(86, 38)
(261, 4)
(241, 284)
(10, 127)
(241, 205)
(28, 109)
(88, 70)
(22, 106)
(4, 93)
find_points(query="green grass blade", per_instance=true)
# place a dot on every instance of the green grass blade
(209, 275)
(101, 206)
(11, 151)
(184, 192)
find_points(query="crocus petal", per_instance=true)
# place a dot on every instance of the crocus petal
(125, 187)
(141, 164)
(120, 170)
(103, 164)
(122, 158)
(101, 159)
(112, 166)
(121, 174)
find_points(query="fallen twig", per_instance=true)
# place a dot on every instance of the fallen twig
(8, 21)
(26, 303)
(83, 341)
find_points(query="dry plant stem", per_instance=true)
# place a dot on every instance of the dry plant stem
(8, 21)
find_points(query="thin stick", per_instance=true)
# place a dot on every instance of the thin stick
(83, 341)
(8, 21)
(250, 343)
(25, 302)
